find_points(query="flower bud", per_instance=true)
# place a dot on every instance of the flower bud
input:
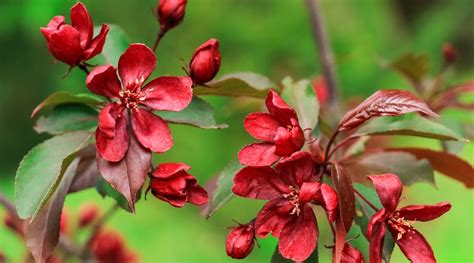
(87, 214)
(240, 241)
(170, 13)
(13, 224)
(205, 62)
(449, 53)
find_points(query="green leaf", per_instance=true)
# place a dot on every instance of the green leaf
(67, 118)
(238, 84)
(412, 124)
(223, 188)
(42, 169)
(405, 165)
(198, 114)
(412, 66)
(278, 258)
(64, 98)
(117, 42)
(300, 95)
(105, 190)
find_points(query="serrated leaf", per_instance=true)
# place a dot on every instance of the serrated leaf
(198, 114)
(65, 98)
(105, 190)
(345, 193)
(67, 118)
(301, 97)
(42, 169)
(405, 165)
(412, 66)
(278, 258)
(384, 103)
(117, 42)
(222, 193)
(246, 84)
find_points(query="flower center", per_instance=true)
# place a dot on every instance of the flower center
(130, 99)
(293, 198)
(400, 224)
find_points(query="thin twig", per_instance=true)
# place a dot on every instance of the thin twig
(328, 146)
(83, 67)
(366, 200)
(158, 38)
(325, 53)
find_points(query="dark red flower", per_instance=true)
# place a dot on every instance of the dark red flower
(290, 187)
(240, 241)
(449, 53)
(73, 44)
(279, 130)
(400, 222)
(109, 247)
(132, 106)
(205, 62)
(87, 214)
(171, 183)
(351, 255)
(170, 13)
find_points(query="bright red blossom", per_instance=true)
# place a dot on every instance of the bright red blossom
(279, 130)
(291, 187)
(132, 104)
(73, 44)
(400, 222)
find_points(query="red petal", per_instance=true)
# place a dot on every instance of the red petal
(414, 246)
(375, 235)
(327, 198)
(299, 236)
(309, 192)
(113, 149)
(258, 154)
(82, 21)
(262, 126)
(166, 170)
(171, 190)
(136, 65)
(107, 117)
(97, 43)
(151, 131)
(65, 45)
(297, 169)
(273, 217)
(259, 183)
(168, 93)
(389, 188)
(197, 195)
(52, 26)
(288, 141)
(279, 109)
(103, 81)
(351, 255)
(424, 212)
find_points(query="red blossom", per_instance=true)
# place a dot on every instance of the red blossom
(171, 183)
(240, 241)
(170, 13)
(291, 186)
(133, 105)
(205, 62)
(450, 54)
(73, 44)
(350, 254)
(109, 247)
(87, 214)
(279, 130)
(400, 222)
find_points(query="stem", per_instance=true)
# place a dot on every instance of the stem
(84, 68)
(158, 38)
(328, 147)
(321, 37)
(342, 143)
(366, 200)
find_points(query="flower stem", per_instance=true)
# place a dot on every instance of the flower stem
(84, 68)
(366, 200)
(158, 38)
(328, 146)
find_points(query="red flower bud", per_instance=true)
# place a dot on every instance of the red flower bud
(110, 247)
(170, 13)
(87, 214)
(449, 53)
(13, 224)
(205, 62)
(240, 241)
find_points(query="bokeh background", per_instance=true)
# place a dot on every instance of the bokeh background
(271, 37)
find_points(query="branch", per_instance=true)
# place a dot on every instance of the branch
(324, 48)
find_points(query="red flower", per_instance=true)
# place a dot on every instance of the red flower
(400, 222)
(279, 130)
(132, 105)
(205, 62)
(290, 187)
(109, 247)
(73, 44)
(87, 214)
(170, 13)
(351, 255)
(240, 241)
(171, 183)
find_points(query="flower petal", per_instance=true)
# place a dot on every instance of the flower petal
(168, 93)
(299, 236)
(273, 217)
(65, 45)
(414, 246)
(309, 192)
(136, 65)
(171, 188)
(424, 212)
(389, 188)
(107, 119)
(114, 149)
(375, 235)
(258, 154)
(52, 26)
(97, 43)
(288, 141)
(327, 198)
(103, 81)
(351, 255)
(279, 109)
(258, 183)
(297, 169)
(151, 131)
(166, 170)
(82, 21)
(262, 126)
(197, 195)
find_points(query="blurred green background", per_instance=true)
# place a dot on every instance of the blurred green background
(271, 37)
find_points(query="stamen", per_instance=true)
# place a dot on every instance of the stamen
(294, 200)
(131, 99)
(401, 225)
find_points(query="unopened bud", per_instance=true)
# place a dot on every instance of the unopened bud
(87, 214)
(205, 62)
(240, 241)
(170, 13)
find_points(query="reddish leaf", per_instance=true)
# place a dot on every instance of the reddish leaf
(384, 103)
(87, 172)
(445, 163)
(450, 98)
(128, 175)
(345, 193)
(340, 240)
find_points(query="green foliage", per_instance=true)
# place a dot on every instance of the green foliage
(300, 96)
(67, 118)
(59, 98)
(117, 42)
(105, 190)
